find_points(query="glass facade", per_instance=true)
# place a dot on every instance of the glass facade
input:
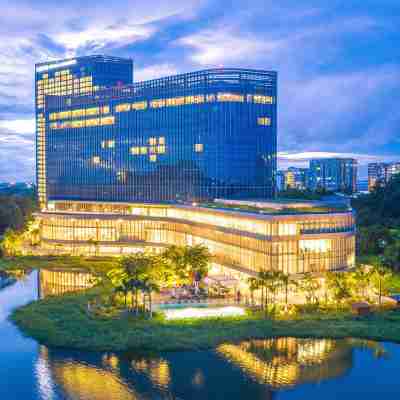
(243, 241)
(193, 136)
(71, 77)
(334, 174)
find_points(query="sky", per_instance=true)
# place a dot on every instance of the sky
(338, 64)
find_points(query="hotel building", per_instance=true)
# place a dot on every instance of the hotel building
(124, 164)
(71, 77)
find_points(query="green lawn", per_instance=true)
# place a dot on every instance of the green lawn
(64, 322)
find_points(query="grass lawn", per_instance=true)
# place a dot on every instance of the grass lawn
(96, 265)
(64, 322)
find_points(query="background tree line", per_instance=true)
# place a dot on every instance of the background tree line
(16, 210)
(378, 223)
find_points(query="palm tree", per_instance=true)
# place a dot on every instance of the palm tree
(254, 284)
(310, 285)
(380, 277)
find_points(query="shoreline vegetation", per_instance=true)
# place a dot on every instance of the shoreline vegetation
(65, 322)
(68, 321)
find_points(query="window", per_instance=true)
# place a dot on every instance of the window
(161, 140)
(107, 120)
(262, 99)
(96, 160)
(135, 151)
(139, 105)
(157, 103)
(153, 158)
(92, 111)
(152, 141)
(122, 107)
(160, 149)
(143, 150)
(230, 97)
(199, 147)
(264, 121)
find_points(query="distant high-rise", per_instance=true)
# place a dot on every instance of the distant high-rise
(71, 77)
(380, 173)
(292, 178)
(334, 174)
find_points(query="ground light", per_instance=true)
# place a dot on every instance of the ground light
(203, 312)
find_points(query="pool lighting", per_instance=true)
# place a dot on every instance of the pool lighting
(203, 312)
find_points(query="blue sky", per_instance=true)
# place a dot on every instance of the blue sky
(338, 63)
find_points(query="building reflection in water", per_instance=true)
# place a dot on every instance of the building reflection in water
(285, 362)
(271, 364)
(59, 281)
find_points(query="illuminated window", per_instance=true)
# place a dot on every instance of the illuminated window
(161, 140)
(152, 141)
(122, 107)
(317, 245)
(96, 160)
(262, 99)
(143, 150)
(108, 144)
(153, 158)
(210, 98)
(157, 103)
(152, 149)
(139, 105)
(78, 113)
(264, 121)
(107, 120)
(175, 101)
(78, 124)
(230, 97)
(199, 147)
(92, 122)
(160, 149)
(105, 109)
(135, 151)
(93, 111)
(194, 99)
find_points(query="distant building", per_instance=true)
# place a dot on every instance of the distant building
(362, 185)
(293, 178)
(381, 173)
(333, 174)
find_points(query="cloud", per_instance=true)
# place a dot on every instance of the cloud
(339, 80)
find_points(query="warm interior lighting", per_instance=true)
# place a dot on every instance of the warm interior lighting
(203, 312)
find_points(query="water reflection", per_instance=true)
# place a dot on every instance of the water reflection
(59, 281)
(279, 368)
(270, 365)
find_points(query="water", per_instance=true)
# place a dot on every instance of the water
(282, 368)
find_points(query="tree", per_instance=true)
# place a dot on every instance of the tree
(360, 280)
(392, 255)
(381, 278)
(188, 261)
(254, 284)
(310, 285)
(338, 285)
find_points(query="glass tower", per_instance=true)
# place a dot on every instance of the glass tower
(71, 77)
(334, 174)
(199, 135)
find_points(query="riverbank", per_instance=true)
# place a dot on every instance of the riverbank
(65, 322)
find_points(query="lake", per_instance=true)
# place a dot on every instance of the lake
(280, 368)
